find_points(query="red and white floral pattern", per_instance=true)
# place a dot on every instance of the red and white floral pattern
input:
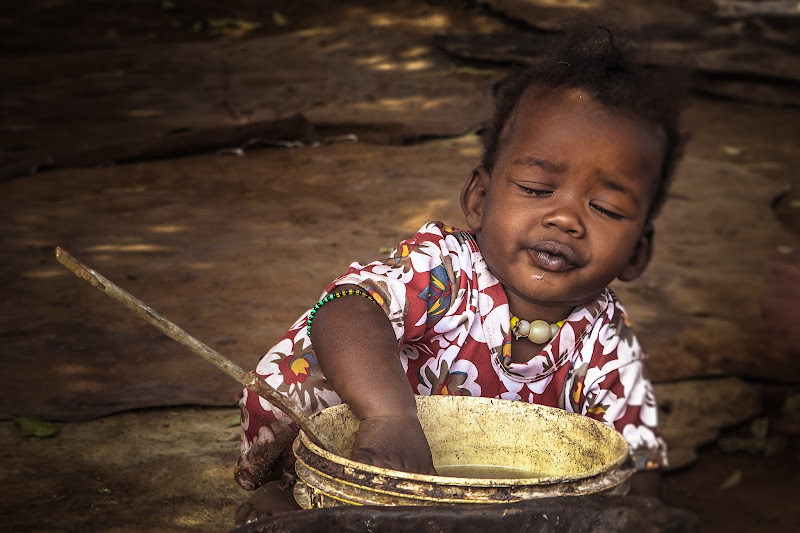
(452, 322)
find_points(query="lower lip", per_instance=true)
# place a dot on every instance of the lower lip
(551, 263)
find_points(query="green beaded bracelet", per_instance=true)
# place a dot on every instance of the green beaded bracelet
(331, 296)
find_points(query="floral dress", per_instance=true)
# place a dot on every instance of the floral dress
(452, 322)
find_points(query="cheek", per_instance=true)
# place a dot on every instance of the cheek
(618, 247)
(627, 252)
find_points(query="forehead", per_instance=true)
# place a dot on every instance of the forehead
(570, 126)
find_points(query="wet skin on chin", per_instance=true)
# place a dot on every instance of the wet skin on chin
(565, 210)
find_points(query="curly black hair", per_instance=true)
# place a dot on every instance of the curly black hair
(598, 60)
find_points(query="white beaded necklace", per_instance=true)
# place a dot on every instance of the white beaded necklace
(538, 331)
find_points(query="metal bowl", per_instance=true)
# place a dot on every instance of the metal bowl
(551, 451)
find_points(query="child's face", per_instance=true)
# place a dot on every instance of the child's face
(565, 210)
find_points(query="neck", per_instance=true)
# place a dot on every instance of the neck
(530, 311)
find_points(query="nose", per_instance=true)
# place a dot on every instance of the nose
(564, 216)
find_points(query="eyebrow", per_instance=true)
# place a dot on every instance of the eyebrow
(549, 166)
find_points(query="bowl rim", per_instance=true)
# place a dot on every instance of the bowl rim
(477, 482)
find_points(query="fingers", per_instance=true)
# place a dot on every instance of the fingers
(385, 460)
(396, 443)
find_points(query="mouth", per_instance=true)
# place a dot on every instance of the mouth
(554, 256)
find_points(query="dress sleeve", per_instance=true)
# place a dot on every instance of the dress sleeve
(414, 284)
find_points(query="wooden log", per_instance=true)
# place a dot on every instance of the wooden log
(566, 514)
(292, 128)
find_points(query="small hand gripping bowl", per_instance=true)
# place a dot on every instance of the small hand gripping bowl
(492, 451)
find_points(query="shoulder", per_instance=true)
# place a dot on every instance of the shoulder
(618, 316)
(437, 239)
(437, 231)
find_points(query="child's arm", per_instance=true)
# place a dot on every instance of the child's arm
(358, 353)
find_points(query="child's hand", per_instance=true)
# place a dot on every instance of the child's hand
(394, 442)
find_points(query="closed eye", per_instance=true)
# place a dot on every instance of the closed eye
(536, 193)
(606, 212)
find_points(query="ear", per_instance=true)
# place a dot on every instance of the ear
(473, 196)
(641, 255)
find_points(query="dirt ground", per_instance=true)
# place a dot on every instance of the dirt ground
(187, 236)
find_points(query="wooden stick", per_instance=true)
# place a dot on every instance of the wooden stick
(292, 128)
(251, 381)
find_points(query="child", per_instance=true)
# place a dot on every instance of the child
(576, 166)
